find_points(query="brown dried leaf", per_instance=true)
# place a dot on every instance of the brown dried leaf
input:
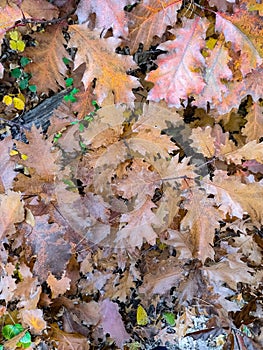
(7, 174)
(58, 287)
(167, 274)
(42, 9)
(150, 18)
(47, 67)
(34, 320)
(235, 198)
(45, 164)
(12, 211)
(230, 270)
(47, 242)
(139, 226)
(68, 341)
(202, 219)
(88, 313)
(112, 323)
(254, 126)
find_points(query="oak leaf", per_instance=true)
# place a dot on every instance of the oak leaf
(250, 85)
(148, 19)
(42, 9)
(202, 219)
(45, 165)
(103, 64)
(109, 14)
(8, 16)
(112, 323)
(47, 67)
(89, 313)
(12, 211)
(235, 198)
(216, 71)
(178, 73)
(251, 150)
(254, 126)
(222, 5)
(67, 341)
(58, 287)
(7, 173)
(229, 270)
(7, 288)
(166, 275)
(250, 56)
(47, 242)
(139, 226)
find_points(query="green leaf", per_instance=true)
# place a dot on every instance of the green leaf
(23, 84)
(9, 331)
(81, 127)
(1, 347)
(32, 88)
(25, 341)
(169, 318)
(16, 73)
(66, 60)
(69, 82)
(24, 61)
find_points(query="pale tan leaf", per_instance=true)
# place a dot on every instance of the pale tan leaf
(34, 320)
(230, 270)
(235, 198)
(201, 220)
(45, 165)
(203, 142)
(12, 211)
(139, 227)
(254, 126)
(58, 287)
(250, 151)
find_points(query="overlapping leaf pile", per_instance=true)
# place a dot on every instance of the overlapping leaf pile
(155, 202)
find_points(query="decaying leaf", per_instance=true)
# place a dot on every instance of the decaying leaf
(112, 323)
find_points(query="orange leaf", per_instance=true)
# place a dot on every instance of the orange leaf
(103, 64)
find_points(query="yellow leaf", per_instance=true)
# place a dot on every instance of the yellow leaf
(13, 45)
(210, 44)
(142, 318)
(20, 45)
(14, 35)
(18, 103)
(7, 100)
(24, 156)
(13, 152)
(21, 97)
